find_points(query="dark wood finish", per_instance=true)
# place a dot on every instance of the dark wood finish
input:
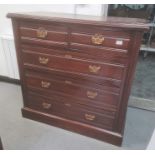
(73, 65)
(56, 35)
(73, 111)
(62, 97)
(109, 41)
(71, 88)
(84, 52)
(76, 126)
(105, 84)
(76, 71)
(115, 22)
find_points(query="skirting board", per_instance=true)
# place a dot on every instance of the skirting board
(9, 80)
(1, 146)
(142, 103)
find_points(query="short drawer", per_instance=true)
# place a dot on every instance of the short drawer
(49, 84)
(100, 37)
(71, 111)
(42, 34)
(99, 40)
(85, 52)
(49, 62)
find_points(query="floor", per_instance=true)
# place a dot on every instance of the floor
(20, 133)
(151, 145)
(144, 81)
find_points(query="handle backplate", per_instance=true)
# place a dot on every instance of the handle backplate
(89, 117)
(43, 60)
(94, 68)
(91, 94)
(97, 39)
(46, 105)
(45, 84)
(41, 32)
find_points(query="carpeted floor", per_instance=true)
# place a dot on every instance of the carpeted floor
(144, 81)
(20, 133)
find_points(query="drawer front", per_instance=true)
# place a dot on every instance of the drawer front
(100, 37)
(86, 52)
(66, 87)
(99, 40)
(76, 79)
(62, 97)
(73, 65)
(70, 111)
(43, 34)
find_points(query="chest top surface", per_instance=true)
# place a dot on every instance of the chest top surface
(128, 23)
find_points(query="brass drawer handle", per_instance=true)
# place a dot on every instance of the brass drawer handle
(45, 84)
(97, 39)
(94, 69)
(68, 82)
(46, 105)
(91, 94)
(41, 32)
(68, 56)
(43, 60)
(67, 105)
(89, 117)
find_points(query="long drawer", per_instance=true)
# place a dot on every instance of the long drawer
(108, 85)
(49, 83)
(64, 97)
(50, 62)
(85, 52)
(70, 111)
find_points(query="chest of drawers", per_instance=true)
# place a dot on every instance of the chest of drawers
(76, 71)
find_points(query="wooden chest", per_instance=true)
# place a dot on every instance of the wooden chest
(76, 71)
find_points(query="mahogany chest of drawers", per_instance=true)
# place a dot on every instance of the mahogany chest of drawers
(76, 71)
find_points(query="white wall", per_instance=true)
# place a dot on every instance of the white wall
(86, 9)
(5, 24)
(3, 65)
(6, 27)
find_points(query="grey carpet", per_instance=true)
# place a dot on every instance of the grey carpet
(144, 81)
(20, 133)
